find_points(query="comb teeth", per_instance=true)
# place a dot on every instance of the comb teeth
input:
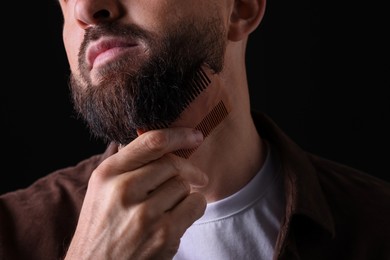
(213, 118)
(198, 83)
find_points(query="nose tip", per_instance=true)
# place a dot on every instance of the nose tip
(90, 12)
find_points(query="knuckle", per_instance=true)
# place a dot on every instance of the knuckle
(143, 215)
(129, 194)
(156, 141)
(102, 172)
(175, 162)
(182, 184)
(98, 175)
(163, 235)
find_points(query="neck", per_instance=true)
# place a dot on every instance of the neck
(231, 156)
(232, 152)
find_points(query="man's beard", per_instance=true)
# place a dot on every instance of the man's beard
(157, 91)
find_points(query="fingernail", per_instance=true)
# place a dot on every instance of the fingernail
(198, 136)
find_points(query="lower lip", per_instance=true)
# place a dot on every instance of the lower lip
(112, 54)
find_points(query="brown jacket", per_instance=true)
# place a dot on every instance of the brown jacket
(332, 211)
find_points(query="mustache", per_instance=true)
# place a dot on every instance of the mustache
(115, 29)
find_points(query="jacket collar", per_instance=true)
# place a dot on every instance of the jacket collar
(304, 195)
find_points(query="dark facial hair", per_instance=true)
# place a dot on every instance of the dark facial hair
(156, 93)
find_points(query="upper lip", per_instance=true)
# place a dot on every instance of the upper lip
(102, 45)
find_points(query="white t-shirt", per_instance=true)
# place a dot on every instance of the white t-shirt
(242, 226)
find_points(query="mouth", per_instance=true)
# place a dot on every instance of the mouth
(108, 49)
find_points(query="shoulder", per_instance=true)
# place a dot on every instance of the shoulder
(341, 180)
(359, 204)
(39, 220)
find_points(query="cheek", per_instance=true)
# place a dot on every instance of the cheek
(156, 15)
(72, 37)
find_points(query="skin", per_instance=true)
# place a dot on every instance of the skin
(141, 200)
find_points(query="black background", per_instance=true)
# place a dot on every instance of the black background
(319, 69)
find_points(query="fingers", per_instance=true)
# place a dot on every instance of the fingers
(169, 194)
(143, 181)
(152, 145)
(147, 162)
(165, 195)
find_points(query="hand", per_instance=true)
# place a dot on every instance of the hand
(138, 203)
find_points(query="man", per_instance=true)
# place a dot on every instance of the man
(190, 171)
